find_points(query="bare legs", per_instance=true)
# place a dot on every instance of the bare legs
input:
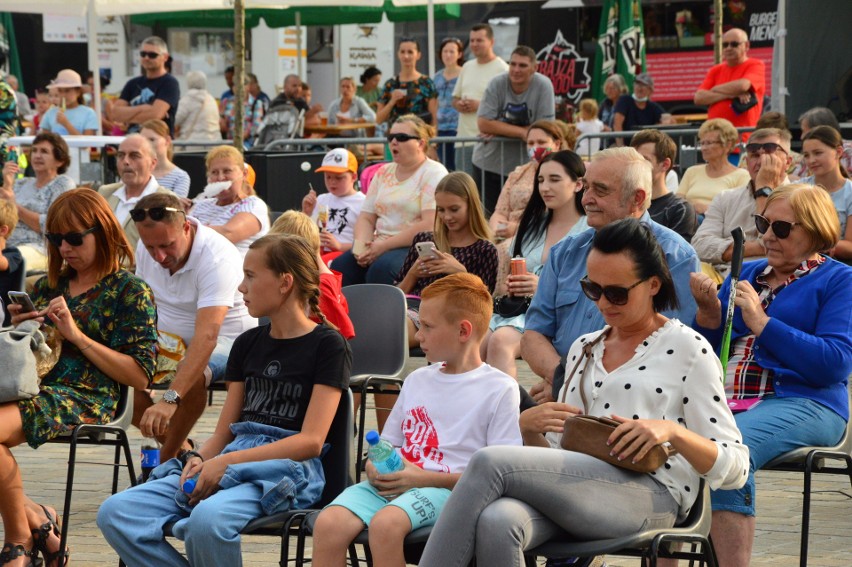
(336, 527)
(13, 503)
(734, 537)
(503, 348)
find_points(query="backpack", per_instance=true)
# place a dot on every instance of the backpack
(283, 121)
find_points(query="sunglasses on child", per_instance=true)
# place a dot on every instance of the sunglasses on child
(614, 294)
(149, 54)
(753, 150)
(72, 238)
(154, 213)
(780, 228)
(401, 137)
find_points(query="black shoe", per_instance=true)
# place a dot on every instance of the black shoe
(11, 552)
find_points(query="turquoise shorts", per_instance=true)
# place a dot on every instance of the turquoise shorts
(421, 504)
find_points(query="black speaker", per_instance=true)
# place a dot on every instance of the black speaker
(283, 178)
(193, 164)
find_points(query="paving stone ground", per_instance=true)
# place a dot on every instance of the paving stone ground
(779, 504)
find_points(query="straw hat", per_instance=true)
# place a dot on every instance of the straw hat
(67, 79)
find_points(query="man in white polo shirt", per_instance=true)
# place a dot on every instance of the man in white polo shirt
(136, 160)
(194, 272)
(470, 86)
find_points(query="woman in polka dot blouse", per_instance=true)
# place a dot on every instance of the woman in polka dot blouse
(656, 376)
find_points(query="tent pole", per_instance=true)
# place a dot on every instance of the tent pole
(717, 31)
(299, 45)
(430, 30)
(239, 72)
(94, 65)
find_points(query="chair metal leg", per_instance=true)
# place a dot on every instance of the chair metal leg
(69, 484)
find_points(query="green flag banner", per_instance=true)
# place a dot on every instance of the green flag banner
(621, 43)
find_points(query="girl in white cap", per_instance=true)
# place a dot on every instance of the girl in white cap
(71, 117)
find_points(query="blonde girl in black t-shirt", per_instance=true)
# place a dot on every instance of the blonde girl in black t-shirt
(285, 382)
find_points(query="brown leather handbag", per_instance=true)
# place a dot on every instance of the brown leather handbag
(588, 434)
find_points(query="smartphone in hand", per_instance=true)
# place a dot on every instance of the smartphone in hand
(426, 250)
(22, 299)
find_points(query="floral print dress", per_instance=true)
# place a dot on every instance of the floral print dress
(420, 92)
(118, 312)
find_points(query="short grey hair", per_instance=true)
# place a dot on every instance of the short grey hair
(783, 135)
(158, 41)
(819, 116)
(618, 81)
(636, 172)
(196, 80)
(149, 146)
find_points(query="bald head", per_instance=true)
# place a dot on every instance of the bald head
(136, 160)
(731, 53)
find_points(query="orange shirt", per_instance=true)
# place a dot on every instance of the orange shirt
(751, 69)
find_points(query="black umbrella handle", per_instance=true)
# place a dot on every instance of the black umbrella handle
(737, 257)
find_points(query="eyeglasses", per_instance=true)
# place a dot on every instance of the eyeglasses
(154, 213)
(753, 150)
(401, 137)
(614, 294)
(72, 238)
(734, 44)
(149, 54)
(780, 228)
(708, 143)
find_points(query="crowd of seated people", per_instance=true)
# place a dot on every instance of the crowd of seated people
(156, 292)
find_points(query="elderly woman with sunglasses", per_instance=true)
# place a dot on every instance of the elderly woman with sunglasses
(790, 350)
(107, 319)
(399, 204)
(645, 371)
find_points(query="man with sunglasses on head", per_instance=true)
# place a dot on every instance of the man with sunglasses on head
(734, 89)
(135, 160)
(617, 185)
(194, 272)
(153, 95)
(767, 158)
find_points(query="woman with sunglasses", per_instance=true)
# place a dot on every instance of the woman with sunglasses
(554, 212)
(236, 213)
(452, 55)
(410, 92)
(822, 150)
(645, 371)
(166, 173)
(108, 322)
(717, 138)
(399, 204)
(49, 158)
(791, 347)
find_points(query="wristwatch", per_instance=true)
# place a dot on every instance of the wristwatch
(171, 397)
(763, 192)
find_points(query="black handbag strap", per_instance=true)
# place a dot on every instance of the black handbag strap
(587, 356)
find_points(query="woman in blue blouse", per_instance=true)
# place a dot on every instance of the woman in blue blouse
(791, 347)
(452, 55)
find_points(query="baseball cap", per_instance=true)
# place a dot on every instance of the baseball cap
(339, 160)
(645, 79)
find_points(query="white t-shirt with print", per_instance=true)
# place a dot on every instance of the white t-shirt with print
(440, 420)
(398, 204)
(342, 214)
(211, 214)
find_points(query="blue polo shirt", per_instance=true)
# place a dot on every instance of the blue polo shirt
(561, 312)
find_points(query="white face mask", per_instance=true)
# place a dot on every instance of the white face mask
(637, 99)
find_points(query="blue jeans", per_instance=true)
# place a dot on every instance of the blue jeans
(515, 498)
(772, 428)
(383, 271)
(132, 521)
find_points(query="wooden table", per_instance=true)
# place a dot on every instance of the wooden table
(685, 118)
(337, 130)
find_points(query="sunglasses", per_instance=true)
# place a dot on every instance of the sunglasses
(780, 228)
(154, 213)
(734, 44)
(149, 54)
(753, 150)
(614, 294)
(401, 137)
(72, 238)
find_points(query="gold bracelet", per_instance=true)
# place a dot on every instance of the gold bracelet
(87, 347)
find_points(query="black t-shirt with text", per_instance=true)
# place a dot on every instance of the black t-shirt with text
(280, 374)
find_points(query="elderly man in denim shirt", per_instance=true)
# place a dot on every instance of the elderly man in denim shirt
(618, 185)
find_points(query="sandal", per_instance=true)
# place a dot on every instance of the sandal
(40, 537)
(11, 552)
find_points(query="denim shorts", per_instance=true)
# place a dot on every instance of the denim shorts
(422, 505)
(772, 428)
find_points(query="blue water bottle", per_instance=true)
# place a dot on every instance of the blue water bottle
(150, 457)
(189, 484)
(382, 454)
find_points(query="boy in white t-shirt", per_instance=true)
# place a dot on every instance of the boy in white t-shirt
(444, 414)
(589, 124)
(336, 211)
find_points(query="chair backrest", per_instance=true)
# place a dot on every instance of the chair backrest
(124, 410)
(336, 462)
(380, 345)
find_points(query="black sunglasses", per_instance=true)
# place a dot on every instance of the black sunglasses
(401, 137)
(72, 238)
(613, 293)
(780, 228)
(753, 150)
(149, 54)
(733, 44)
(154, 213)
